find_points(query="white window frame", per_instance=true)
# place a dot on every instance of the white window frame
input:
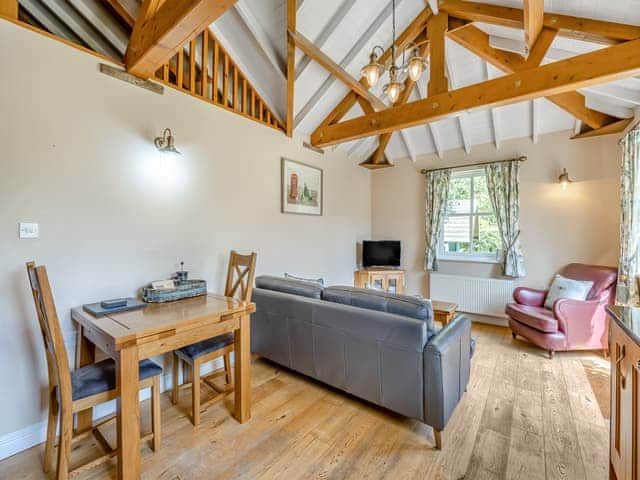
(466, 256)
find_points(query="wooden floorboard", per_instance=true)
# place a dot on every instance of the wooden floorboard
(523, 417)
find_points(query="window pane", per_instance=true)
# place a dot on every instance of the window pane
(459, 195)
(486, 238)
(481, 201)
(456, 237)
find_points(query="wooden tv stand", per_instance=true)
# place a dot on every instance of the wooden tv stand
(385, 277)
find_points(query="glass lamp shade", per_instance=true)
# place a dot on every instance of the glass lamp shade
(415, 67)
(393, 89)
(371, 72)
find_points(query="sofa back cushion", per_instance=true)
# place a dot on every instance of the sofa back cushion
(404, 305)
(603, 278)
(294, 287)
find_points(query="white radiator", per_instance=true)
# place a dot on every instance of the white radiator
(483, 296)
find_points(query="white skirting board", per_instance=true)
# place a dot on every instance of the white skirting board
(25, 438)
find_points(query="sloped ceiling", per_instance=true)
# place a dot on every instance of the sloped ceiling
(254, 33)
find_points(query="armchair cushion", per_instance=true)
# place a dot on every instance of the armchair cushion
(603, 278)
(563, 287)
(538, 318)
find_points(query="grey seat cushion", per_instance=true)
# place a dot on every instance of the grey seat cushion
(404, 305)
(294, 287)
(101, 377)
(199, 349)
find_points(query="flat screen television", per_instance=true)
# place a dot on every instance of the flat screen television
(383, 253)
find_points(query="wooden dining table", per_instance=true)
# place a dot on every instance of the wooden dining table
(159, 328)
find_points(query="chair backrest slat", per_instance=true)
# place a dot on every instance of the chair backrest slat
(240, 274)
(56, 352)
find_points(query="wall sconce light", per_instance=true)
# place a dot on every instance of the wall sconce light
(166, 143)
(564, 179)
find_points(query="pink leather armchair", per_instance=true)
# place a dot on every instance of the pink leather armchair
(571, 324)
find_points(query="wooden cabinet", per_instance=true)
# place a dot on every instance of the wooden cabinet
(389, 280)
(625, 405)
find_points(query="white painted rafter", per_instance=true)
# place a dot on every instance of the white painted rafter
(490, 73)
(462, 118)
(603, 104)
(38, 11)
(80, 27)
(407, 145)
(430, 127)
(434, 6)
(348, 58)
(535, 119)
(577, 127)
(103, 22)
(261, 38)
(616, 92)
(326, 33)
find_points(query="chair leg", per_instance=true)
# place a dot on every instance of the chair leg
(437, 434)
(52, 427)
(155, 412)
(195, 392)
(513, 334)
(176, 379)
(227, 368)
(64, 445)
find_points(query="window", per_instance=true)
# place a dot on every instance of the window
(470, 229)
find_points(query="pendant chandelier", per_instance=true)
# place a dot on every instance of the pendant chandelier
(415, 66)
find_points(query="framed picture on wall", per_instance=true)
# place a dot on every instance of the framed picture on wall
(301, 188)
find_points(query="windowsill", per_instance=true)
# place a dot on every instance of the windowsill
(467, 259)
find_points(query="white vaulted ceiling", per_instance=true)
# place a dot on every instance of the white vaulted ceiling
(254, 33)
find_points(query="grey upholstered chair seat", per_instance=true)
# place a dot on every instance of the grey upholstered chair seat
(206, 346)
(101, 377)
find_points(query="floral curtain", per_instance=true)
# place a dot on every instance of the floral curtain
(503, 183)
(437, 195)
(627, 290)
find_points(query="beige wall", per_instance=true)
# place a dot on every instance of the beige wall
(577, 225)
(77, 157)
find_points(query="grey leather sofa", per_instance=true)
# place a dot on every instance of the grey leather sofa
(380, 347)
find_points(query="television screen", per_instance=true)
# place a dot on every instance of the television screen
(385, 253)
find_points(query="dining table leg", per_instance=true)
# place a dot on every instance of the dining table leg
(85, 355)
(242, 355)
(128, 414)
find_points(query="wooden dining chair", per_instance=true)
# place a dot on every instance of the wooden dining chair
(240, 273)
(82, 388)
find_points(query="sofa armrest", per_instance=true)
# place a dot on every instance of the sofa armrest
(446, 363)
(529, 296)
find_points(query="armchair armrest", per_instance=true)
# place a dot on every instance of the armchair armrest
(574, 315)
(447, 362)
(529, 296)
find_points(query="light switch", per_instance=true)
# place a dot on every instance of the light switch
(29, 230)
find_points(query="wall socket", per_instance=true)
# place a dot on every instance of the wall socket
(29, 230)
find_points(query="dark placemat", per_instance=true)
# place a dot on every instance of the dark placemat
(98, 310)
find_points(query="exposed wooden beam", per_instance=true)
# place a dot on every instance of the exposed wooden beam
(291, 66)
(615, 127)
(407, 36)
(160, 31)
(334, 69)
(574, 27)
(436, 29)
(477, 42)
(540, 48)
(601, 66)
(326, 33)
(9, 8)
(533, 19)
